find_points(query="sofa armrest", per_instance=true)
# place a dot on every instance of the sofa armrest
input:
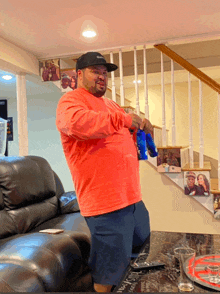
(68, 203)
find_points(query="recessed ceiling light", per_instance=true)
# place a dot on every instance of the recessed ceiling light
(7, 77)
(89, 34)
(139, 81)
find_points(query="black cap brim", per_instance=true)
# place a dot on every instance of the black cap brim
(111, 66)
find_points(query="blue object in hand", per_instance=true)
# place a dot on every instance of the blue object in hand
(152, 149)
(141, 144)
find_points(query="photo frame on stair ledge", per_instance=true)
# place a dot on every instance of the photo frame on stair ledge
(216, 205)
(197, 183)
(169, 160)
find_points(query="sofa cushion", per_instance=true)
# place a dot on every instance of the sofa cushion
(25, 180)
(8, 226)
(15, 278)
(68, 203)
(51, 257)
(31, 216)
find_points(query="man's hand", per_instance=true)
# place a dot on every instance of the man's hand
(136, 120)
(147, 127)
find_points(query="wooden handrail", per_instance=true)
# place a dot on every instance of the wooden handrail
(188, 66)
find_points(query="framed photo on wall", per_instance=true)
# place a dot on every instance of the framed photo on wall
(68, 80)
(50, 70)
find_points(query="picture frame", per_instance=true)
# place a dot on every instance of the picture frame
(50, 70)
(169, 160)
(197, 183)
(68, 79)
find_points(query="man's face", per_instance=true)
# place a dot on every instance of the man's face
(191, 182)
(94, 79)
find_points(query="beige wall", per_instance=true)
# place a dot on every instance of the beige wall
(210, 112)
(17, 60)
(171, 210)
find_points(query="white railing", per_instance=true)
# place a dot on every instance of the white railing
(161, 134)
(201, 141)
(190, 122)
(145, 85)
(163, 104)
(113, 79)
(122, 94)
(136, 82)
(184, 153)
(173, 105)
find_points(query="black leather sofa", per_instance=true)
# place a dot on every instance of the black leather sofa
(32, 198)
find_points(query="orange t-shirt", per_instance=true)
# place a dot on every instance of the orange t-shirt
(100, 152)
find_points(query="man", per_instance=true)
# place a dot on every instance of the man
(102, 158)
(191, 188)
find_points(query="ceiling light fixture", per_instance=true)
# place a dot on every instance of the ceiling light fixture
(89, 34)
(139, 81)
(7, 77)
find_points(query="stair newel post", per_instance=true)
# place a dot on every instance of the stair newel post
(136, 82)
(113, 79)
(173, 105)
(190, 123)
(164, 135)
(218, 141)
(201, 141)
(122, 94)
(145, 84)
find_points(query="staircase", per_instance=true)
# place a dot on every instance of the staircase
(188, 162)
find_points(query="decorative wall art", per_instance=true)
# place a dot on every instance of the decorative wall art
(168, 160)
(197, 183)
(50, 70)
(68, 80)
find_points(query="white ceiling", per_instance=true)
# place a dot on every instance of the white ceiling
(52, 28)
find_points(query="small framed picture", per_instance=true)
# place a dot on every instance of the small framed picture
(68, 80)
(50, 70)
(197, 183)
(169, 160)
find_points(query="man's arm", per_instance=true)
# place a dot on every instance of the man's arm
(78, 121)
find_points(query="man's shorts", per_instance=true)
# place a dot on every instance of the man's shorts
(115, 236)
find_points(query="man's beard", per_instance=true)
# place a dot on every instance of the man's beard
(99, 92)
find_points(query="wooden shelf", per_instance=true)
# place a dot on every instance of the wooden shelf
(207, 166)
(172, 147)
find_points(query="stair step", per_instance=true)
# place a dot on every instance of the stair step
(172, 147)
(214, 186)
(207, 166)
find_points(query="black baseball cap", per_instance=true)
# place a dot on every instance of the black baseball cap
(94, 58)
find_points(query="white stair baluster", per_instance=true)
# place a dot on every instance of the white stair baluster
(122, 94)
(146, 85)
(201, 141)
(136, 82)
(164, 135)
(113, 79)
(191, 164)
(173, 105)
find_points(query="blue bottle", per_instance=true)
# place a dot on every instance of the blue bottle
(141, 144)
(152, 149)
